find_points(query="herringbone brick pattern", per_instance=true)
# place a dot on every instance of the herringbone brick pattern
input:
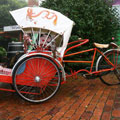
(79, 99)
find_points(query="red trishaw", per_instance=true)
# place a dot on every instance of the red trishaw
(38, 74)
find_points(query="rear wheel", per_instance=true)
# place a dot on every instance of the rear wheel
(36, 78)
(110, 77)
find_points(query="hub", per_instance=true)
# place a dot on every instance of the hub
(37, 79)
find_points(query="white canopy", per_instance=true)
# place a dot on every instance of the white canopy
(38, 17)
(42, 18)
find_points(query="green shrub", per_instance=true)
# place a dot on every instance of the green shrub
(95, 20)
(3, 54)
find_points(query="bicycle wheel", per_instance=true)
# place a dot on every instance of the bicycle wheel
(110, 77)
(36, 78)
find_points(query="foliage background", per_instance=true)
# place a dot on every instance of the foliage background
(6, 20)
(95, 20)
(6, 6)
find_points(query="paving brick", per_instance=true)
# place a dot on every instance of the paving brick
(118, 95)
(58, 115)
(107, 108)
(62, 103)
(39, 115)
(13, 114)
(76, 105)
(25, 112)
(78, 112)
(106, 116)
(76, 116)
(94, 117)
(64, 119)
(115, 119)
(117, 100)
(47, 117)
(86, 115)
(90, 108)
(76, 100)
(4, 116)
(109, 102)
(116, 113)
(98, 112)
(29, 116)
(117, 106)
(65, 108)
(69, 113)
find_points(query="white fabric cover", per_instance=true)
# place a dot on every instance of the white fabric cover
(38, 17)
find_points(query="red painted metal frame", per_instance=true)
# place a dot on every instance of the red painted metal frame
(4, 78)
(8, 79)
(91, 62)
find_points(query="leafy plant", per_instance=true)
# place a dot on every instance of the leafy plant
(6, 19)
(95, 20)
(3, 54)
(6, 6)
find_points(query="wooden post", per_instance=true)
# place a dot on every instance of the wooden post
(20, 36)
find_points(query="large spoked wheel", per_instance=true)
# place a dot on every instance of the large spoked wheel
(36, 78)
(110, 77)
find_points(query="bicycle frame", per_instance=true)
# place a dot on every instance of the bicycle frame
(95, 50)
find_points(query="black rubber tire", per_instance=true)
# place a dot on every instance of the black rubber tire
(39, 90)
(110, 77)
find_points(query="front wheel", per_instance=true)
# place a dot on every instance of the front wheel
(109, 77)
(36, 78)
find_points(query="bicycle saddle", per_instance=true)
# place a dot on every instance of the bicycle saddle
(114, 45)
(101, 45)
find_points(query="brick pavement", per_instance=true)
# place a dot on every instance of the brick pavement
(79, 99)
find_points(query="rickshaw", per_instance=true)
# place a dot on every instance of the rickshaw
(39, 72)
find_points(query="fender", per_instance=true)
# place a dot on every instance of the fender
(42, 54)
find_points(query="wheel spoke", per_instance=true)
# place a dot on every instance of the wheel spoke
(110, 77)
(48, 75)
